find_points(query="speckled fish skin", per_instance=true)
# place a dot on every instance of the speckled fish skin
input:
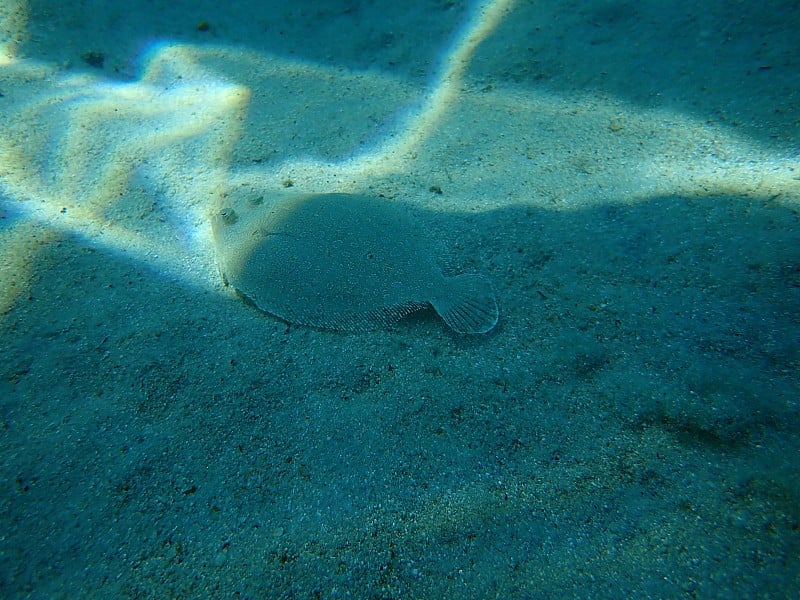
(343, 262)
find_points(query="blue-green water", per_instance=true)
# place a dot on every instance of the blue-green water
(625, 173)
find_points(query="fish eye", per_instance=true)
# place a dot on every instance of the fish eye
(228, 216)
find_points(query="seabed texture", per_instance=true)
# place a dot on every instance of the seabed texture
(625, 173)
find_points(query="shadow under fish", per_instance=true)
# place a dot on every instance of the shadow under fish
(343, 262)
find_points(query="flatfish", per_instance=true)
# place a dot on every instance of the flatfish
(343, 262)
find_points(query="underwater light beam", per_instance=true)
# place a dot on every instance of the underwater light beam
(390, 156)
(445, 88)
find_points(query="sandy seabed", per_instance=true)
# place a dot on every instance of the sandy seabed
(626, 174)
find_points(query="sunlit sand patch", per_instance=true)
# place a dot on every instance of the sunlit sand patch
(393, 153)
(513, 147)
(140, 168)
(13, 29)
(123, 165)
(98, 156)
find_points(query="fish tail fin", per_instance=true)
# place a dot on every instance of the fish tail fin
(467, 304)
